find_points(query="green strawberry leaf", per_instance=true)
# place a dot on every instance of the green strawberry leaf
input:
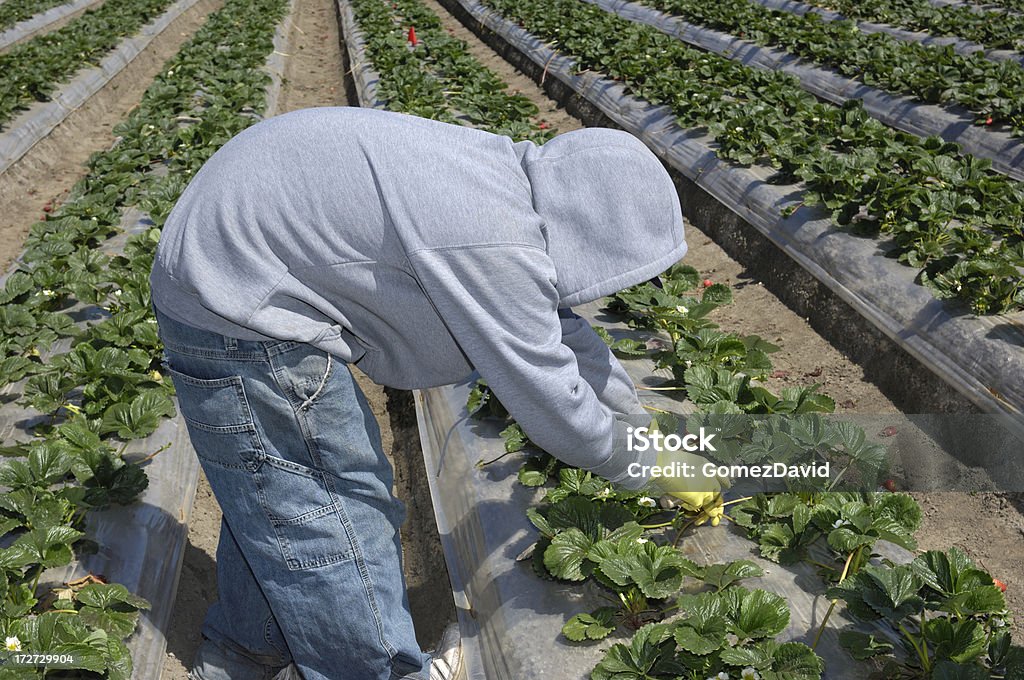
(659, 570)
(565, 556)
(703, 636)
(761, 615)
(795, 661)
(721, 576)
(596, 625)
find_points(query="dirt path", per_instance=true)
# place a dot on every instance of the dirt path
(52, 166)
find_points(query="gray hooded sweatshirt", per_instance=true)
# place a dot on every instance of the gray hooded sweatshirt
(419, 251)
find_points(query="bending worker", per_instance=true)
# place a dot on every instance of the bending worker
(417, 251)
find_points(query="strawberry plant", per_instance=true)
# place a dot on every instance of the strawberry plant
(589, 531)
(52, 483)
(1012, 5)
(786, 526)
(680, 309)
(929, 73)
(949, 616)
(14, 11)
(996, 29)
(948, 215)
(31, 71)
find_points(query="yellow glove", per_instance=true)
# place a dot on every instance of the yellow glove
(697, 493)
(707, 503)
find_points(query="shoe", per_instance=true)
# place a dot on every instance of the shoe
(289, 672)
(447, 663)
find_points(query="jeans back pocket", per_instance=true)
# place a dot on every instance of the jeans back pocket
(219, 420)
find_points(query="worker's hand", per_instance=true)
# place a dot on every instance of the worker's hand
(695, 493)
(706, 504)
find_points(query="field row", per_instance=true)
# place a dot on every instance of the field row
(95, 388)
(994, 29)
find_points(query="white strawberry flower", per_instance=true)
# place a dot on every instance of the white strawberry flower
(738, 129)
(603, 493)
(12, 644)
(642, 540)
(48, 293)
(723, 676)
(647, 502)
(682, 310)
(117, 293)
(749, 673)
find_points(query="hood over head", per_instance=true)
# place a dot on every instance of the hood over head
(611, 214)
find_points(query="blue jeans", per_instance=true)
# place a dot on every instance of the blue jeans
(309, 565)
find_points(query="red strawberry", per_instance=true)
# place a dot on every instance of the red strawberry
(999, 584)
(890, 485)
(542, 125)
(708, 283)
(988, 121)
(412, 36)
(48, 208)
(888, 431)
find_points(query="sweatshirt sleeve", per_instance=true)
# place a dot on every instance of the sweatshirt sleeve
(598, 366)
(500, 304)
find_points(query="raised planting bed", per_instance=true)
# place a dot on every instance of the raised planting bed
(139, 541)
(928, 73)
(90, 413)
(515, 624)
(1012, 5)
(40, 118)
(1005, 151)
(966, 28)
(33, 70)
(23, 19)
(16, 11)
